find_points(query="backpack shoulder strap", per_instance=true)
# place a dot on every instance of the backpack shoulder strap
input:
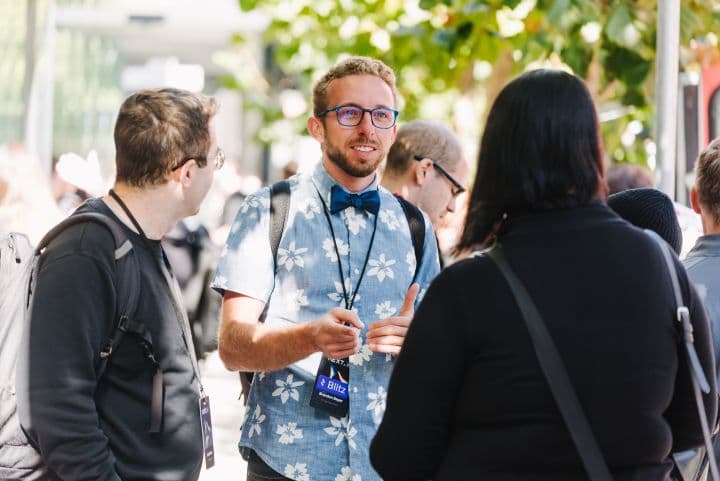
(279, 206)
(127, 275)
(416, 222)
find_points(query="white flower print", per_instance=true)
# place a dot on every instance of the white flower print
(251, 201)
(377, 403)
(257, 419)
(309, 208)
(411, 261)
(347, 475)
(337, 296)
(354, 220)
(363, 355)
(296, 300)
(291, 257)
(221, 282)
(389, 218)
(342, 429)
(289, 433)
(384, 309)
(297, 472)
(329, 248)
(287, 389)
(381, 268)
(260, 376)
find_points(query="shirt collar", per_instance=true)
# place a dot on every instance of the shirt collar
(708, 244)
(324, 183)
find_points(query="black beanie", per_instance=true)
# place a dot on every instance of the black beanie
(649, 209)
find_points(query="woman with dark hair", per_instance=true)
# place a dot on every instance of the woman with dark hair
(467, 398)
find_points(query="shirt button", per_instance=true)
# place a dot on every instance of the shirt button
(357, 271)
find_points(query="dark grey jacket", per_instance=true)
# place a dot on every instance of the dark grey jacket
(89, 429)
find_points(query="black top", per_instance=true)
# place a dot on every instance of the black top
(467, 398)
(99, 430)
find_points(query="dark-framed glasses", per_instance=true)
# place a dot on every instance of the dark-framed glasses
(352, 115)
(218, 160)
(457, 187)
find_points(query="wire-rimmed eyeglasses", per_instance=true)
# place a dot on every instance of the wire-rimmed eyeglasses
(457, 186)
(352, 115)
(219, 160)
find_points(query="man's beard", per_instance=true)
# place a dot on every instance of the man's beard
(337, 157)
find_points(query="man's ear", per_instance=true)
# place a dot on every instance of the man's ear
(422, 170)
(183, 174)
(316, 128)
(694, 200)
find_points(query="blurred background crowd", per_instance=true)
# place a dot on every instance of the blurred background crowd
(67, 64)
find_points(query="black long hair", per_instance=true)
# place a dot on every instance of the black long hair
(540, 150)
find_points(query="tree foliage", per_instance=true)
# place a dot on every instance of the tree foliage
(446, 49)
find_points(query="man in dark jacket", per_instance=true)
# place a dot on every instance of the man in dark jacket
(140, 419)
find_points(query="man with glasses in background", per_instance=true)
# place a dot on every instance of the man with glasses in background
(105, 396)
(427, 167)
(336, 299)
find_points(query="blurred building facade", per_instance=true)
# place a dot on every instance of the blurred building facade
(66, 65)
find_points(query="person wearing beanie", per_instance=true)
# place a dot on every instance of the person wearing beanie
(703, 261)
(649, 209)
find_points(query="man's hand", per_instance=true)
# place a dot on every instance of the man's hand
(387, 335)
(337, 333)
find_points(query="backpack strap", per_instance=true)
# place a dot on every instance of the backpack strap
(127, 272)
(279, 206)
(416, 223)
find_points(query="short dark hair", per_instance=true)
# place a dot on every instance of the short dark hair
(540, 150)
(156, 128)
(707, 179)
(620, 177)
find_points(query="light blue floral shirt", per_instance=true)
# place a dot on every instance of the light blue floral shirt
(293, 438)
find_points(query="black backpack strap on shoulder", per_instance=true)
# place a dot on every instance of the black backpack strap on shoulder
(279, 206)
(416, 223)
(127, 272)
(556, 375)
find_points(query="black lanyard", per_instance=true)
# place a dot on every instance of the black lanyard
(351, 300)
(166, 274)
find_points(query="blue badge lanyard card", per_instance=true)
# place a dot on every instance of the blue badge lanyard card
(332, 380)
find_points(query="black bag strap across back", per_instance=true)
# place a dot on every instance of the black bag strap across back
(555, 373)
(697, 375)
(416, 223)
(128, 275)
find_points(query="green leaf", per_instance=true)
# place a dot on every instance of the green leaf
(618, 21)
(474, 7)
(634, 96)
(626, 65)
(578, 56)
(246, 5)
(511, 3)
(429, 4)
(690, 23)
(464, 30)
(446, 38)
(557, 11)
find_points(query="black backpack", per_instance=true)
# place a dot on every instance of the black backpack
(279, 206)
(19, 460)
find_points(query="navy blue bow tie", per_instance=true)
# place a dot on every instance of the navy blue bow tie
(341, 200)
